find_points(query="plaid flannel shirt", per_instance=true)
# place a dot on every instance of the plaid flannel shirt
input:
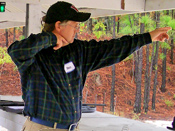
(52, 81)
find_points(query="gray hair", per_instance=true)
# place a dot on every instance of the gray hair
(49, 27)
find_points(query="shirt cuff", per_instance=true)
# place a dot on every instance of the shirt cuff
(147, 38)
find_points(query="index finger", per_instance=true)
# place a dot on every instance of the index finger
(165, 29)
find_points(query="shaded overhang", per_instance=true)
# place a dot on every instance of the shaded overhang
(15, 14)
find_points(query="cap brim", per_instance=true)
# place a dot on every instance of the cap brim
(81, 17)
(173, 129)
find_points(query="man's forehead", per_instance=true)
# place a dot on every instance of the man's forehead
(73, 22)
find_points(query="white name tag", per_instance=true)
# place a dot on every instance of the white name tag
(69, 67)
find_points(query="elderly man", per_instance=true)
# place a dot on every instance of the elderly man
(53, 66)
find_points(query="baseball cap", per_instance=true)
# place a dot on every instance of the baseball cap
(61, 11)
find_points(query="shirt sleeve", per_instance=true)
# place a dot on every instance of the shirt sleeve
(23, 52)
(106, 53)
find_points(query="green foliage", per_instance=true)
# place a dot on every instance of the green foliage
(149, 58)
(128, 23)
(168, 68)
(127, 20)
(165, 19)
(155, 67)
(128, 58)
(172, 24)
(15, 68)
(162, 56)
(99, 29)
(168, 21)
(148, 22)
(165, 45)
(83, 27)
(4, 57)
(169, 103)
(136, 116)
(174, 96)
(21, 37)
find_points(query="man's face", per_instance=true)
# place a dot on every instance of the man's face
(68, 30)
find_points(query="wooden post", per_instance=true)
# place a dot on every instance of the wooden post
(33, 19)
(27, 21)
(6, 35)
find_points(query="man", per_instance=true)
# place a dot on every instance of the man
(173, 125)
(53, 66)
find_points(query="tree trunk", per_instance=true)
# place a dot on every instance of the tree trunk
(14, 34)
(163, 89)
(24, 31)
(172, 41)
(90, 25)
(155, 78)
(155, 65)
(112, 89)
(137, 105)
(107, 23)
(118, 25)
(113, 75)
(164, 51)
(146, 92)
(149, 80)
(172, 49)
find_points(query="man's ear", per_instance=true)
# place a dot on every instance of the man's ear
(57, 26)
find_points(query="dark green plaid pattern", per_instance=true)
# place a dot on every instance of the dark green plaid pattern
(49, 91)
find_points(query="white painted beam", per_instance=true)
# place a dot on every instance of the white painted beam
(135, 5)
(102, 13)
(34, 19)
(155, 5)
(10, 24)
(32, 1)
(16, 17)
(99, 4)
(15, 7)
